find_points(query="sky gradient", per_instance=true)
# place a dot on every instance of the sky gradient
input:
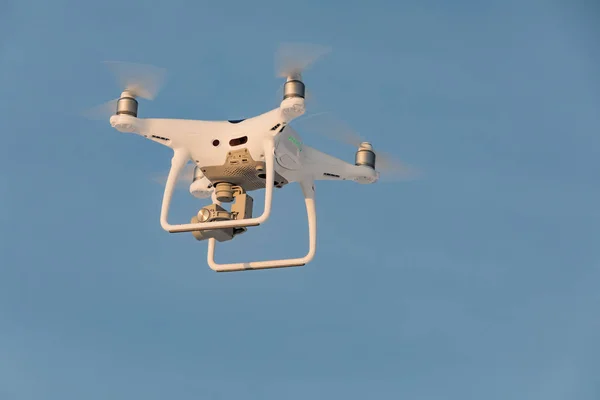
(478, 281)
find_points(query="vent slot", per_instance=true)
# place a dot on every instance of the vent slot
(238, 141)
(332, 175)
(161, 138)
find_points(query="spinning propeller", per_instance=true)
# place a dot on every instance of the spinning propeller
(389, 167)
(292, 59)
(135, 80)
(185, 178)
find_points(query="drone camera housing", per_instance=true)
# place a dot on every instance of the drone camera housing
(211, 213)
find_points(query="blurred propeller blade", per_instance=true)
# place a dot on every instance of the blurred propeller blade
(292, 59)
(185, 178)
(141, 80)
(392, 169)
(103, 111)
(325, 124)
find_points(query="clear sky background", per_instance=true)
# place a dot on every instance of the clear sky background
(478, 281)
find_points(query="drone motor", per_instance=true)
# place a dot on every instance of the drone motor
(365, 155)
(127, 104)
(293, 88)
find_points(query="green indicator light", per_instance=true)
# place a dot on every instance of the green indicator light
(296, 142)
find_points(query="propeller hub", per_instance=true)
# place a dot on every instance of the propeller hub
(365, 146)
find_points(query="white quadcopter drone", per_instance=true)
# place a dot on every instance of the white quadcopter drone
(232, 158)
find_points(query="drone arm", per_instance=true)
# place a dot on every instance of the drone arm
(309, 199)
(325, 167)
(180, 157)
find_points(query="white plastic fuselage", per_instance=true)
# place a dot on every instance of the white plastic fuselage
(207, 143)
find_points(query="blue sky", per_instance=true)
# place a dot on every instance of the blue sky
(478, 281)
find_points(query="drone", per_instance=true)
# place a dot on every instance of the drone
(232, 158)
